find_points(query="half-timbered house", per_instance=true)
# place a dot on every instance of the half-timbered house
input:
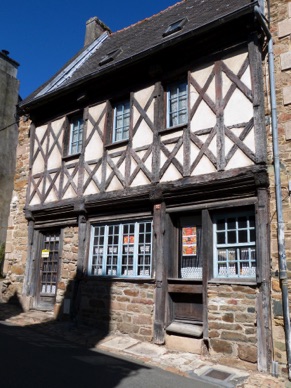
(147, 198)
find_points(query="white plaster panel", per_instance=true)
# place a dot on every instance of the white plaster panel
(193, 95)
(143, 135)
(142, 96)
(194, 151)
(213, 146)
(226, 84)
(238, 110)
(203, 118)
(234, 63)
(211, 91)
(94, 149)
(149, 163)
(133, 165)
(115, 185)
(55, 159)
(35, 200)
(140, 180)
(250, 141)
(70, 193)
(91, 189)
(204, 167)
(52, 194)
(171, 174)
(180, 155)
(38, 165)
(163, 158)
(95, 111)
(239, 159)
(228, 144)
(246, 78)
(108, 171)
(202, 75)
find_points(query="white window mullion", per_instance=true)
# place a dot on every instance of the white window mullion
(120, 250)
(136, 247)
(105, 250)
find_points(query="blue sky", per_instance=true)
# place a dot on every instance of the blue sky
(43, 35)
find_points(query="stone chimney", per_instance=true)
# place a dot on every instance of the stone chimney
(94, 28)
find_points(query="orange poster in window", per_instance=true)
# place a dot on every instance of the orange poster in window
(128, 239)
(189, 231)
(189, 249)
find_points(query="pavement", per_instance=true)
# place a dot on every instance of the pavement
(186, 364)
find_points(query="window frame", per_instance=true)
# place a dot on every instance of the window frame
(169, 98)
(119, 255)
(67, 148)
(114, 121)
(80, 138)
(250, 245)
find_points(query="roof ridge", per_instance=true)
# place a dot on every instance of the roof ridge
(148, 18)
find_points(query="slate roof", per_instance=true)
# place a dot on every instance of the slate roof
(147, 36)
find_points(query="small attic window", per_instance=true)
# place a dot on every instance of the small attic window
(110, 56)
(176, 26)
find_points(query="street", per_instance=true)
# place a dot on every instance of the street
(33, 359)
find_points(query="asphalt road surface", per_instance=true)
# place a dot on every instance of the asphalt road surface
(32, 359)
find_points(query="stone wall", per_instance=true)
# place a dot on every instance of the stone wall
(117, 306)
(17, 234)
(232, 325)
(281, 32)
(68, 269)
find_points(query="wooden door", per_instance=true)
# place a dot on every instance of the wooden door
(48, 270)
(185, 286)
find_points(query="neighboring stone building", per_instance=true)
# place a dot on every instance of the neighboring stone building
(9, 86)
(146, 184)
(280, 18)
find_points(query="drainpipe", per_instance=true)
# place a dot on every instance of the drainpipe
(280, 233)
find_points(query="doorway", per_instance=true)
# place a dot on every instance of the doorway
(48, 270)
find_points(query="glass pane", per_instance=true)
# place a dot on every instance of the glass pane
(221, 238)
(242, 236)
(242, 222)
(220, 225)
(231, 237)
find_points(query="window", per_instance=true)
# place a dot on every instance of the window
(177, 104)
(235, 246)
(121, 121)
(122, 249)
(76, 135)
(110, 57)
(174, 27)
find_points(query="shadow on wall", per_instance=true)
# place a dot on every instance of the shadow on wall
(85, 323)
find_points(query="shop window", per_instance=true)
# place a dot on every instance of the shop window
(235, 246)
(121, 249)
(190, 250)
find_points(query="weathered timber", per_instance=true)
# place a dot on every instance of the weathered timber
(255, 56)
(185, 288)
(161, 268)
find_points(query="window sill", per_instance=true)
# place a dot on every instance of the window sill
(121, 279)
(116, 144)
(67, 158)
(246, 281)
